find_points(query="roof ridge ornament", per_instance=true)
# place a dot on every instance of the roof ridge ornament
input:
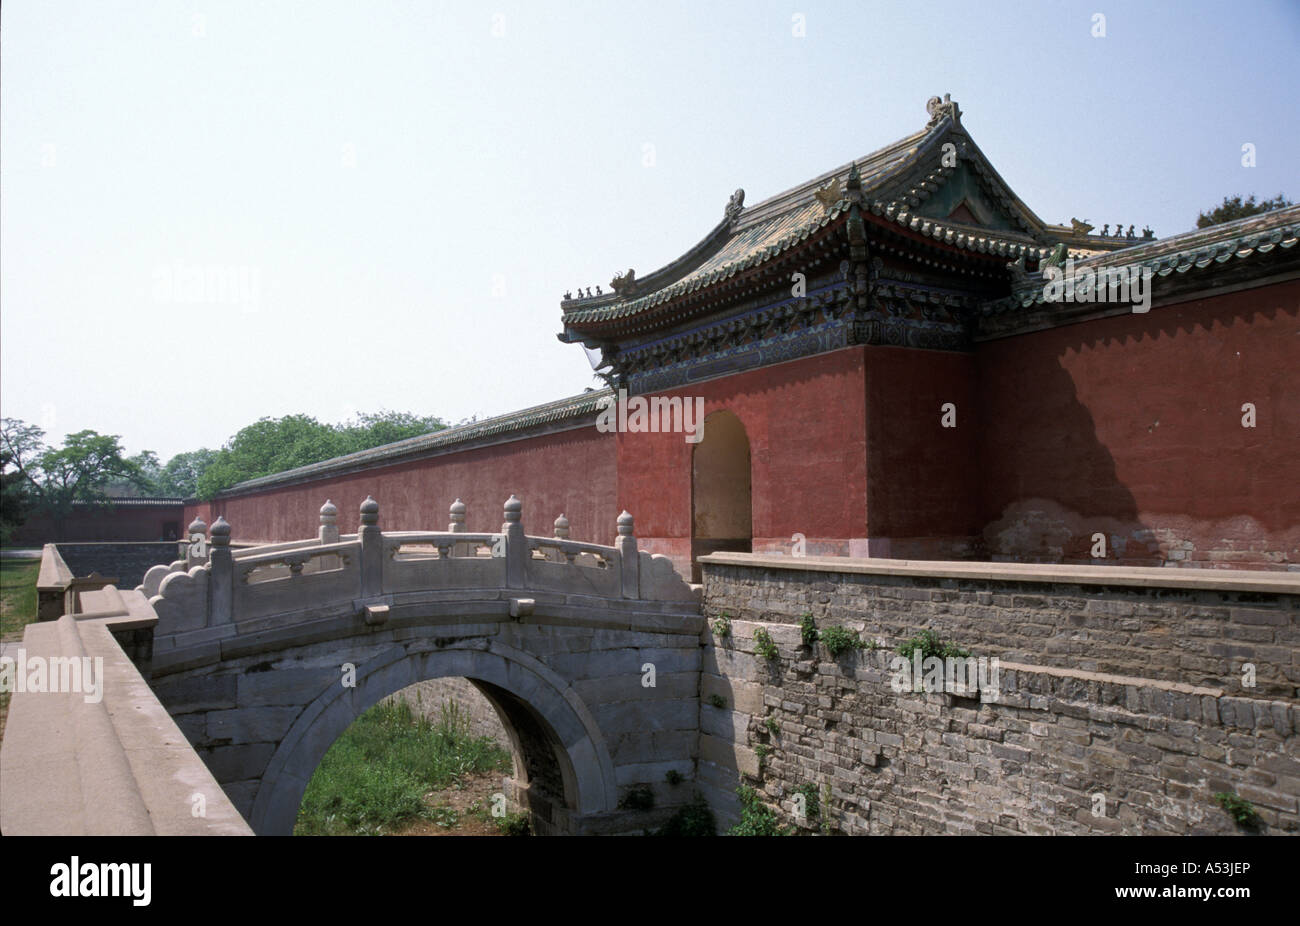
(735, 205)
(830, 194)
(938, 108)
(624, 284)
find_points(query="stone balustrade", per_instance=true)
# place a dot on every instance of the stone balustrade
(216, 585)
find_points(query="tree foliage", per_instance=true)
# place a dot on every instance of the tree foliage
(180, 477)
(1235, 208)
(273, 445)
(13, 498)
(54, 479)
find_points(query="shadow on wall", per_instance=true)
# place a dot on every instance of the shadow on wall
(1050, 482)
(1159, 399)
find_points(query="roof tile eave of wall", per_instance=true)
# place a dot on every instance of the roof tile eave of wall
(405, 450)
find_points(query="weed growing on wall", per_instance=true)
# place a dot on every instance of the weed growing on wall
(1241, 810)
(841, 640)
(807, 630)
(930, 644)
(756, 818)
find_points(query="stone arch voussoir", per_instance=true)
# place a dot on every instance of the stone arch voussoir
(275, 808)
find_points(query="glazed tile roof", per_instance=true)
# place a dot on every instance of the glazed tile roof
(574, 407)
(1190, 251)
(891, 188)
(124, 502)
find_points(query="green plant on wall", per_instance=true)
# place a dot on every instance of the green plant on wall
(772, 726)
(841, 640)
(638, 799)
(928, 643)
(811, 801)
(718, 701)
(807, 630)
(763, 644)
(721, 626)
(756, 818)
(826, 809)
(1242, 810)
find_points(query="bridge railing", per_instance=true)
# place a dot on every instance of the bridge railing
(217, 585)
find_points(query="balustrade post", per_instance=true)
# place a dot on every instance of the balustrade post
(329, 523)
(221, 575)
(561, 533)
(196, 537)
(457, 526)
(516, 544)
(372, 550)
(328, 533)
(629, 559)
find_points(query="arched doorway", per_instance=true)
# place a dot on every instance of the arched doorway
(721, 501)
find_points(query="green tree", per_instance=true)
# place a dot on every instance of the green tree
(1235, 208)
(145, 486)
(384, 427)
(273, 445)
(79, 471)
(180, 477)
(13, 498)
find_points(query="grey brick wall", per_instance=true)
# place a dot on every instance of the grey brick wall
(1101, 722)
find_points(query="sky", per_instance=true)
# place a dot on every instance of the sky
(396, 195)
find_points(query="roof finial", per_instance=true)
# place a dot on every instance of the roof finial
(735, 205)
(853, 186)
(938, 108)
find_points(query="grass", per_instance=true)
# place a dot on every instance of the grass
(17, 609)
(374, 778)
(17, 595)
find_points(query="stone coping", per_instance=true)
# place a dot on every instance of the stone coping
(54, 574)
(1136, 577)
(115, 766)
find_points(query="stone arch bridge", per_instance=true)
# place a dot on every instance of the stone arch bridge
(590, 654)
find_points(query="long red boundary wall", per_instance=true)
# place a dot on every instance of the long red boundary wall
(570, 472)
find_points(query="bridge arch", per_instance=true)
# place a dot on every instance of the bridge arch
(556, 743)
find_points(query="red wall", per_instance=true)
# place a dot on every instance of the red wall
(571, 472)
(98, 525)
(1132, 424)
(806, 423)
(924, 478)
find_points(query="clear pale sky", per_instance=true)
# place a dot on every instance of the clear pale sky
(413, 186)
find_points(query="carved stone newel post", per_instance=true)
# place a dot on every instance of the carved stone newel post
(221, 577)
(629, 559)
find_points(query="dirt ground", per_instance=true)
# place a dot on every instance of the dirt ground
(477, 786)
